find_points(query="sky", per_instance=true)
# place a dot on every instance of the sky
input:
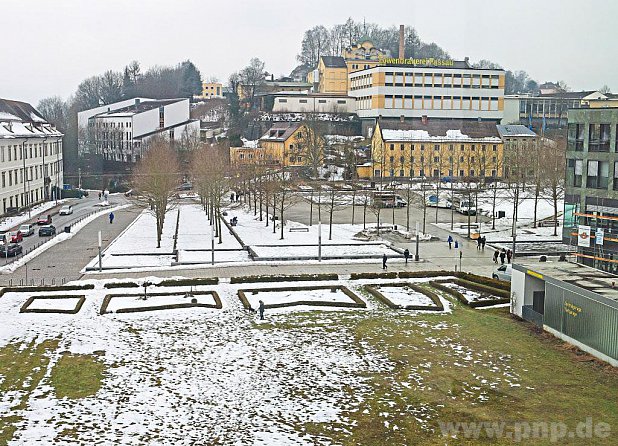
(49, 46)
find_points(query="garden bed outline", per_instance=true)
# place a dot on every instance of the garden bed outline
(357, 301)
(375, 292)
(106, 300)
(503, 296)
(80, 303)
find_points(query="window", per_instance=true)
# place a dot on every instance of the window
(598, 174)
(422, 146)
(401, 147)
(322, 101)
(392, 159)
(436, 147)
(615, 176)
(302, 101)
(341, 101)
(282, 100)
(402, 159)
(436, 159)
(494, 148)
(392, 146)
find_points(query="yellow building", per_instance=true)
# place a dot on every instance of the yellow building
(362, 55)
(333, 75)
(280, 146)
(436, 149)
(212, 90)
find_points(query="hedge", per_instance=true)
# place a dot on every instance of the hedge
(285, 278)
(374, 291)
(24, 308)
(357, 276)
(357, 301)
(503, 299)
(494, 283)
(422, 274)
(121, 285)
(25, 289)
(187, 282)
(218, 304)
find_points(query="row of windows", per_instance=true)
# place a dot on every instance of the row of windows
(36, 195)
(304, 101)
(12, 153)
(430, 80)
(599, 136)
(436, 159)
(16, 176)
(441, 103)
(437, 173)
(597, 173)
(451, 147)
(101, 123)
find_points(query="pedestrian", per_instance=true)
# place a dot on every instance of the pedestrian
(483, 241)
(456, 244)
(261, 309)
(406, 254)
(111, 218)
(232, 197)
(99, 196)
(478, 243)
(509, 255)
(502, 256)
(450, 242)
(496, 254)
(384, 259)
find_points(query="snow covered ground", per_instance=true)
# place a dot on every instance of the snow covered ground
(137, 301)
(328, 251)
(58, 303)
(291, 296)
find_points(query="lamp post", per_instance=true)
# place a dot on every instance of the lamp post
(319, 240)
(212, 239)
(100, 256)
(416, 255)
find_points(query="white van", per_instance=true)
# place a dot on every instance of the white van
(504, 272)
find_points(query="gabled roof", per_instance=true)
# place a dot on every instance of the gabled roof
(19, 111)
(439, 129)
(281, 131)
(139, 107)
(511, 131)
(571, 94)
(22, 120)
(334, 61)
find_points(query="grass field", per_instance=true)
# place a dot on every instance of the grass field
(355, 377)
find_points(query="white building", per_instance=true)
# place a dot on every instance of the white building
(120, 133)
(303, 102)
(443, 89)
(30, 156)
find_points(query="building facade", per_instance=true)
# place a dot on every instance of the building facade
(443, 89)
(121, 134)
(313, 103)
(30, 157)
(591, 189)
(212, 90)
(280, 146)
(435, 149)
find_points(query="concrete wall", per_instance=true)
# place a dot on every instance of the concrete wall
(310, 104)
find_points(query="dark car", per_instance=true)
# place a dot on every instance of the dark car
(47, 231)
(44, 220)
(10, 250)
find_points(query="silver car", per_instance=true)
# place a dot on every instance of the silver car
(27, 230)
(503, 273)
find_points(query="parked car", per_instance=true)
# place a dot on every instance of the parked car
(10, 250)
(27, 230)
(66, 210)
(12, 237)
(44, 220)
(504, 272)
(47, 231)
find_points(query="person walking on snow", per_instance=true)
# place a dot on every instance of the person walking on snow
(450, 242)
(406, 254)
(509, 256)
(483, 241)
(502, 256)
(496, 254)
(111, 218)
(384, 259)
(456, 244)
(261, 310)
(478, 243)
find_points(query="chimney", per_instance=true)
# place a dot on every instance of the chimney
(272, 77)
(402, 46)
(137, 101)
(467, 60)
(424, 119)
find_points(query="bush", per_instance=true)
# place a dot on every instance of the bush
(121, 285)
(25, 289)
(357, 276)
(189, 282)
(493, 283)
(421, 274)
(284, 278)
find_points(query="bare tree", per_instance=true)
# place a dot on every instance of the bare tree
(554, 172)
(310, 144)
(334, 201)
(251, 78)
(155, 178)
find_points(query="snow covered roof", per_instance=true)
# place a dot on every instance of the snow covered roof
(517, 130)
(140, 107)
(22, 120)
(281, 131)
(453, 130)
(249, 144)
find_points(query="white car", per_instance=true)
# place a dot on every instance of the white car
(26, 230)
(504, 272)
(66, 210)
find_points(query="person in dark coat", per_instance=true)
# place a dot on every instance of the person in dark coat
(406, 254)
(509, 255)
(450, 242)
(111, 218)
(384, 259)
(261, 310)
(456, 244)
(483, 241)
(496, 254)
(478, 242)
(502, 256)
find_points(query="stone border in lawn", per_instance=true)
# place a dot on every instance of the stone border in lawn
(167, 283)
(26, 289)
(284, 278)
(502, 296)
(24, 308)
(375, 292)
(218, 304)
(357, 302)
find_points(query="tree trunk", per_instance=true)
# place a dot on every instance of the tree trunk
(353, 204)
(365, 214)
(330, 219)
(493, 208)
(281, 206)
(311, 208)
(537, 191)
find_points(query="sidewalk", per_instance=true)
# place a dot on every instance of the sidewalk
(66, 259)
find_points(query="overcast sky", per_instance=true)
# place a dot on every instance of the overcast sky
(49, 46)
